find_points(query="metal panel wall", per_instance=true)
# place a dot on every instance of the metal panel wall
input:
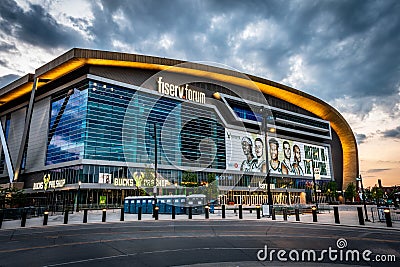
(14, 137)
(38, 136)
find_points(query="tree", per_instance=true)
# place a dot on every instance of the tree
(12, 197)
(331, 190)
(376, 193)
(350, 192)
(189, 179)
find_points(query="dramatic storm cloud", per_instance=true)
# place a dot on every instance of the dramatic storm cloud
(394, 133)
(344, 52)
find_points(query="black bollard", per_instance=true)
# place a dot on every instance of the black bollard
(388, 218)
(314, 214)
(1, 217)
(45, 217)
(23, 218)
(85, 212)
(207, 212)
(139, 213)
(223, 211)
(360, 216)
(240, 211)
(190, 212)
(285, 214)
(156, 213)
(66, 216)
(173, 212)
(297, 213)
(103, 217)
(122, 218)
(258, 208)
(273, 214)
(336, 214)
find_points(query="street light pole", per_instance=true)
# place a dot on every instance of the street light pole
(314, 183)
(264, 131)
(155, 167)
(249, 202)
(363, 197)
(78, 196)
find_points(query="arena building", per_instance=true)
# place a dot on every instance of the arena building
(94, 126)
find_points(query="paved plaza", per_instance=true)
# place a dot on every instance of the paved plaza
(348, 216)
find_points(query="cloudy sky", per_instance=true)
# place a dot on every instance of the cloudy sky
(344, 52)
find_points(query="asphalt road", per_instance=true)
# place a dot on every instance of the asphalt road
(192, 242)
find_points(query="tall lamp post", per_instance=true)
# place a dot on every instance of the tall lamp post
(78, 196)
(155, 168)
(314, 183)
(363, 197)
(264, 131)
(249, 202)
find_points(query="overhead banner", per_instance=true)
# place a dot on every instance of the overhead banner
(245, 151)
(289, 157)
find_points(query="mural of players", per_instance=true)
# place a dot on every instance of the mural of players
(259, 164)
(296, 168)
(247, 147)
(274, 163)
(286, 165)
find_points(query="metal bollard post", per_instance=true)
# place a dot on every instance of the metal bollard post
(336, 214)
(156, 213)
(23, 218)
(122, 218)
(190, 212)
(297, 213)
(360, 216)
(1, 217)
(207, 212)
(258, 208)
(388, 218)
(273, 214)
(223, 211)
(85, 212)
(314, 214)
(285, 214)
(139, 213)
(103, 217)
(240, 211)
(66, 216)
(45, 217)
(173, 212)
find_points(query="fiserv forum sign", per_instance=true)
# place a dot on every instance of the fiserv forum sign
(183, 92)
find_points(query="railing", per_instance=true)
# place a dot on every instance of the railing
(378, 214)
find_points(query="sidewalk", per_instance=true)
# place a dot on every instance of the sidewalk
(348, 217)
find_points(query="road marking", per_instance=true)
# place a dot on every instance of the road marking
(147, 252)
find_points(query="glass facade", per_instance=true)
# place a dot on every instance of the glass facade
(67, 125)
(99, 121)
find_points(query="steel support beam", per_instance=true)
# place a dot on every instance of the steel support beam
(26, 127)
(7, 157)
